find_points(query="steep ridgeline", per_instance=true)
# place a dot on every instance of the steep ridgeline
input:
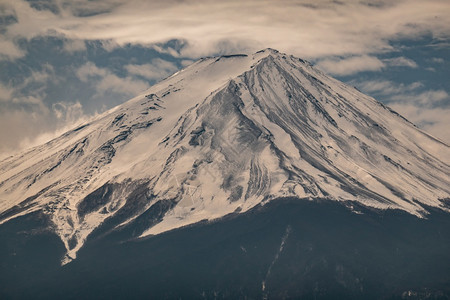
(222, 136)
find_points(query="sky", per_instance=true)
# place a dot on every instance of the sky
(64, 61)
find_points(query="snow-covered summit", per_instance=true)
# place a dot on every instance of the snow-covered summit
(220, 136)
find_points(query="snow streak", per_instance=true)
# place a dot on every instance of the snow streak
(277, 255)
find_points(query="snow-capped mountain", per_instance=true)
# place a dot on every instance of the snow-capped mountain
(222, 136)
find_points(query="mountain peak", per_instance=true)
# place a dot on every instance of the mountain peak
(224, 135)
(269, 50)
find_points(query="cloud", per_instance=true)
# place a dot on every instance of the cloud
(20, 122)
(8, 50)
(106, 81)
(30, 100)
(433, 120)
(400, 62)
(122, 85)
(437, 60)
(74, 45)
(28, 116)
(10, 96)
(426, 98)
(46, 73)
(355, 64)
(37, 126)
(350, 65)
(6, 93)
(90, 70)
(88, 7)
(186, 62)
(25, 113)
(304, 28)
(406, 93)
(69, 112)
(385, 87)
(158, 69)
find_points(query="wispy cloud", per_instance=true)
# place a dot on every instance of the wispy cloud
(31, 127)
(158, 69)
(186, 62)
(91, 70)
(433, 120)
(400, 62)
(74, 45)
(385, 87)
(355, 64)
(351, 65)
(437, 60)
(106, 81)
(412, 93)
(42, 76)
(5, 93)
(426, 98)
(9, 50)
(69, 112)
(305, 28)
(25, 117)
(12, 97)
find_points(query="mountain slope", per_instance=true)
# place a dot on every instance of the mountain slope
(222, 136)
